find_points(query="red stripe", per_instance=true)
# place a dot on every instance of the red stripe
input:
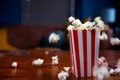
(75, 33)
(71, 51)
(84, 34)
(93, 47)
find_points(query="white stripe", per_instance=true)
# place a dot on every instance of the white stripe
(97, 42)
(71, 53)
(80, 38)
(88, 53)
(74, 55)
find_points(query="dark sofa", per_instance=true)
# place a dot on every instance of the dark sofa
(27, 37)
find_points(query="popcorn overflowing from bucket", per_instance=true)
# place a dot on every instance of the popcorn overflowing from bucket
(84, 45)
(77, 24)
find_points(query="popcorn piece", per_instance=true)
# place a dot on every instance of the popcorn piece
(14, 64)
(88, 25)
(76, 23)
(118, 63)
(117, 70)
(100, 24)
(102, 62)
(55, 60)
(63, 75)
(114, 41)
(97, 19)
(37, 61)
(66, 69)
(112, 71)
(53, 38)
(104, 36)
(70, 27)
(101, 72)
(70, 19)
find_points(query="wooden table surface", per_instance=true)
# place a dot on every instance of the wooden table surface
(26, 71)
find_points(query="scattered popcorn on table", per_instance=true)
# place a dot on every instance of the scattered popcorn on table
(37, 61)
(101, 72)
(14, 64)
(115, 71)
(115, 41)
(112, 71)
(118, 63)
(66, 69)
(103, 36)
(63, 75)
(54, 59)
(53, 38)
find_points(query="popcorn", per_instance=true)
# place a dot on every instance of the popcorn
(66, 69)
(114, 41)
(115, 71)
(118, 63)
(104, 36)
(14, 64)
(53, 38)
(112, 71)
(76, 24)
(37, 61)
(70, 27)
(55, 60)
(88, 25)
(101, 72)
(100, 24)
(63, 75)
(70, 19)
(97, 19)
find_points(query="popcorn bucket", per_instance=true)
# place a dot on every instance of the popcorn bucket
(84, 50)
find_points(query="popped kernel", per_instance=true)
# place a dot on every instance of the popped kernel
(14, 64)
(63, 75)
(37, 61)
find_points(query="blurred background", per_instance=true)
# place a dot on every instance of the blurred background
(56, 12)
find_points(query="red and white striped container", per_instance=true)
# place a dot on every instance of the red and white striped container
(84, 49)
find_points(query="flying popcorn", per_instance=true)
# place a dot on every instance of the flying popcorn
(14, 64)
(103, 36)
(53, 38)
(54, 59)
(63, 75)
(114, 41)
(37, 61)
